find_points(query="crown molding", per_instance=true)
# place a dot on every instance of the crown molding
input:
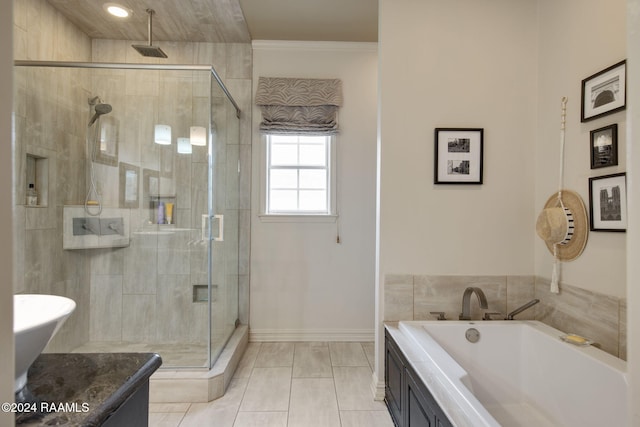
(314, 45)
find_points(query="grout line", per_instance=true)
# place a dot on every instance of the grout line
(244, 391)
(184, 415)
(290, 389)
(335, 388)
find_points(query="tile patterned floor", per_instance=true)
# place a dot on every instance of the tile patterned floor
(289, 385)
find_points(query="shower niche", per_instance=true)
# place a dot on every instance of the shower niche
(37, 181)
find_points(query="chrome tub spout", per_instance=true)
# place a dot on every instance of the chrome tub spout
(466, 302)
(522, 308)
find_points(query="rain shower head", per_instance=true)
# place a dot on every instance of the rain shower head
(150, 50)
(100, 110)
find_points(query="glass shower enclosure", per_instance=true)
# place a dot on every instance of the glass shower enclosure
(126, 186)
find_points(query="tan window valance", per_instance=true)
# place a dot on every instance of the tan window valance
(292, 105)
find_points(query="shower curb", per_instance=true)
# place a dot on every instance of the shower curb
(200, 386)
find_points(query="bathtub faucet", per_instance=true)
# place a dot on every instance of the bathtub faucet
(522, 308)
(466, 302)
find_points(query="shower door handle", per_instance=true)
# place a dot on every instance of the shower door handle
(220, 219)
(220, 237)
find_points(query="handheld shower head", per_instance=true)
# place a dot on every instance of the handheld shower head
(100, 110)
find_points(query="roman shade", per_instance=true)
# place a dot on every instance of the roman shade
(300, 106)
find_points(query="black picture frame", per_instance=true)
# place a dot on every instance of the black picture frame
(604, 146)
(458, 157)
(608, 202)
(604, 92)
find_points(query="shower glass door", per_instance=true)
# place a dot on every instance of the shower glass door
(144, 161)
(224, 223)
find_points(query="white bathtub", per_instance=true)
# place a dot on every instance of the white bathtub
(519, 373)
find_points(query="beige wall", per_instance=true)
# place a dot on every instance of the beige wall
(633, 234)
(6, 258)
(504, 66)
(578, 38)
(466, 64)
(452, 65)
(303, 284)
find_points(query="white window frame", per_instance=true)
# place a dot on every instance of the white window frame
(299, 216)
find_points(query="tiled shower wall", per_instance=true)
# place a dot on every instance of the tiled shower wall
(47, 127)
(598, 317)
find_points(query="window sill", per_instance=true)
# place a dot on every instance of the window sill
(297, 218)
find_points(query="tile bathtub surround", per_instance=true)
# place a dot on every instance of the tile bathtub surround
(598, 317)
(410, 297)
(289, 384)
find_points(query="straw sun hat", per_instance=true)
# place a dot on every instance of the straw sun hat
(563, 223)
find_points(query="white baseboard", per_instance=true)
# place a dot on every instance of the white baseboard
(377, 387)
(275, 335)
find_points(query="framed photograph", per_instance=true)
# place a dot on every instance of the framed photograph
(604, 92)
(608, 202)
(604, 147)
(129, 184)
(458, 156)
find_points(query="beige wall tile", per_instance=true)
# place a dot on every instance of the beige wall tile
(174, 299)
(575, 310)
(398, 297)
(105, 322)
(141, 265)
(520, 290)
(444, 293)
(239, 61)
(138, 318)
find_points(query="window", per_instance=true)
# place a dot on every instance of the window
(298, 175)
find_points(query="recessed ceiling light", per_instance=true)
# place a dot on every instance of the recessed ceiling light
(117, 10)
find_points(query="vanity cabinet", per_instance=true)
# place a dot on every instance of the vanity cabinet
(408, 399)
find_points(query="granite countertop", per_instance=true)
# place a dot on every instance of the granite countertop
(82, 389)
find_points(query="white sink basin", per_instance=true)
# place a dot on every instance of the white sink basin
(36, 319)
